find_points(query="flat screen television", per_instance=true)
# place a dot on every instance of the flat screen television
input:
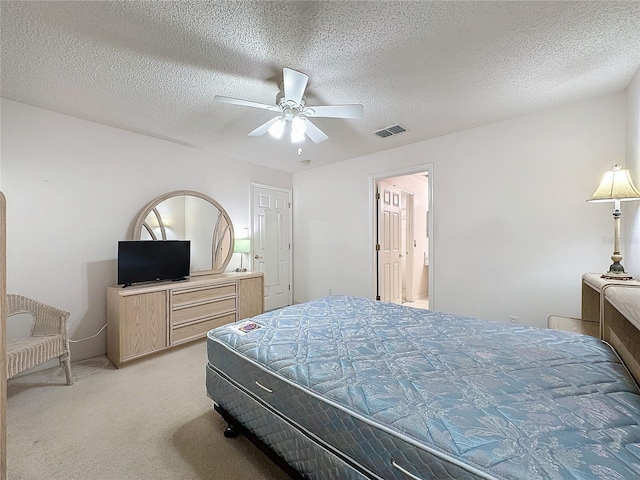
(153, 260)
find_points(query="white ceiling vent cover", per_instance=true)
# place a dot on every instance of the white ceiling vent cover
(392, 130)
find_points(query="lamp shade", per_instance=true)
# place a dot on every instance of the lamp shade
(615, 185)
(242, 245)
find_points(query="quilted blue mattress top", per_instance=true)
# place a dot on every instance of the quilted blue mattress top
(509, 400)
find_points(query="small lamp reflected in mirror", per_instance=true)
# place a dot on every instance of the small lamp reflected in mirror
(241, 246)
(616, 186)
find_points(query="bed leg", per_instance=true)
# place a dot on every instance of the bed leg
(230, 431)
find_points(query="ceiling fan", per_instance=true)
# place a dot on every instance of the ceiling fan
(292, 109)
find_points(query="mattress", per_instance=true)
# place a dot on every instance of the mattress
(378, 390)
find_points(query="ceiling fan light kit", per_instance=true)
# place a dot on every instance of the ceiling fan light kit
(277, 129)
(294, 112)
(298, 129)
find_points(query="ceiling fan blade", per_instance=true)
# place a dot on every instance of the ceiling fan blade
(294, 85)
(335, 111)
(314, 133)
(245, 103)
(264, 128)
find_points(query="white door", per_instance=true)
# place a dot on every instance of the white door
(389, 243)
(272, 243)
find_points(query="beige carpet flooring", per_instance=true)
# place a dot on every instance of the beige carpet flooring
(149, 420)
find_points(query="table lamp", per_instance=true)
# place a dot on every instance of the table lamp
(241, 246)
(616, 186)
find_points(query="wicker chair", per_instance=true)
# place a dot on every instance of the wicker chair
(48, 339)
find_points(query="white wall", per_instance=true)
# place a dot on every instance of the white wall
(512, 231)
(630, 244)
(73, 188)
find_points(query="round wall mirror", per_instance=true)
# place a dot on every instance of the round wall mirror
(193, 216)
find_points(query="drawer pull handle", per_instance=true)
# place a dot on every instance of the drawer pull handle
(408, 474)
(263, 387)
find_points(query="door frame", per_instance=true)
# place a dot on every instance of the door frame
(373, 226)
(289, 193)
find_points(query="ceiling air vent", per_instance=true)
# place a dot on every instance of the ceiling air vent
(392, 130)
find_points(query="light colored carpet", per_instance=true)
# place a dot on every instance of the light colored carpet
(149, 420)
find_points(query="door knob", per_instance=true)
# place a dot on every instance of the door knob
(257, 257)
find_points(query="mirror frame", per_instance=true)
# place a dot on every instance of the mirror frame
(139, 224)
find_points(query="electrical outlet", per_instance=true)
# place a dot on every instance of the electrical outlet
(513, 319)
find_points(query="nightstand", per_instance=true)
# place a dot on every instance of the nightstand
(593, 288)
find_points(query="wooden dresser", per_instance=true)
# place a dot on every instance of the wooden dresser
(142, 320)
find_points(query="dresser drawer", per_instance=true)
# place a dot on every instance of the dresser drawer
(199, 329)
(190, 296)
(201, 311)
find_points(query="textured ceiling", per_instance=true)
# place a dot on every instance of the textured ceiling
(434, 67)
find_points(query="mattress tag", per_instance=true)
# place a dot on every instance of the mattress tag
(245, 327)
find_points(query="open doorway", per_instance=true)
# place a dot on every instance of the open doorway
(402, 245)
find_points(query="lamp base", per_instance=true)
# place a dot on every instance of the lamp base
(616, 270)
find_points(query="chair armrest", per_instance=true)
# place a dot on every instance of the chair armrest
(47, 320)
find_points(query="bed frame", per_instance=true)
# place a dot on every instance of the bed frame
(234, 429)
